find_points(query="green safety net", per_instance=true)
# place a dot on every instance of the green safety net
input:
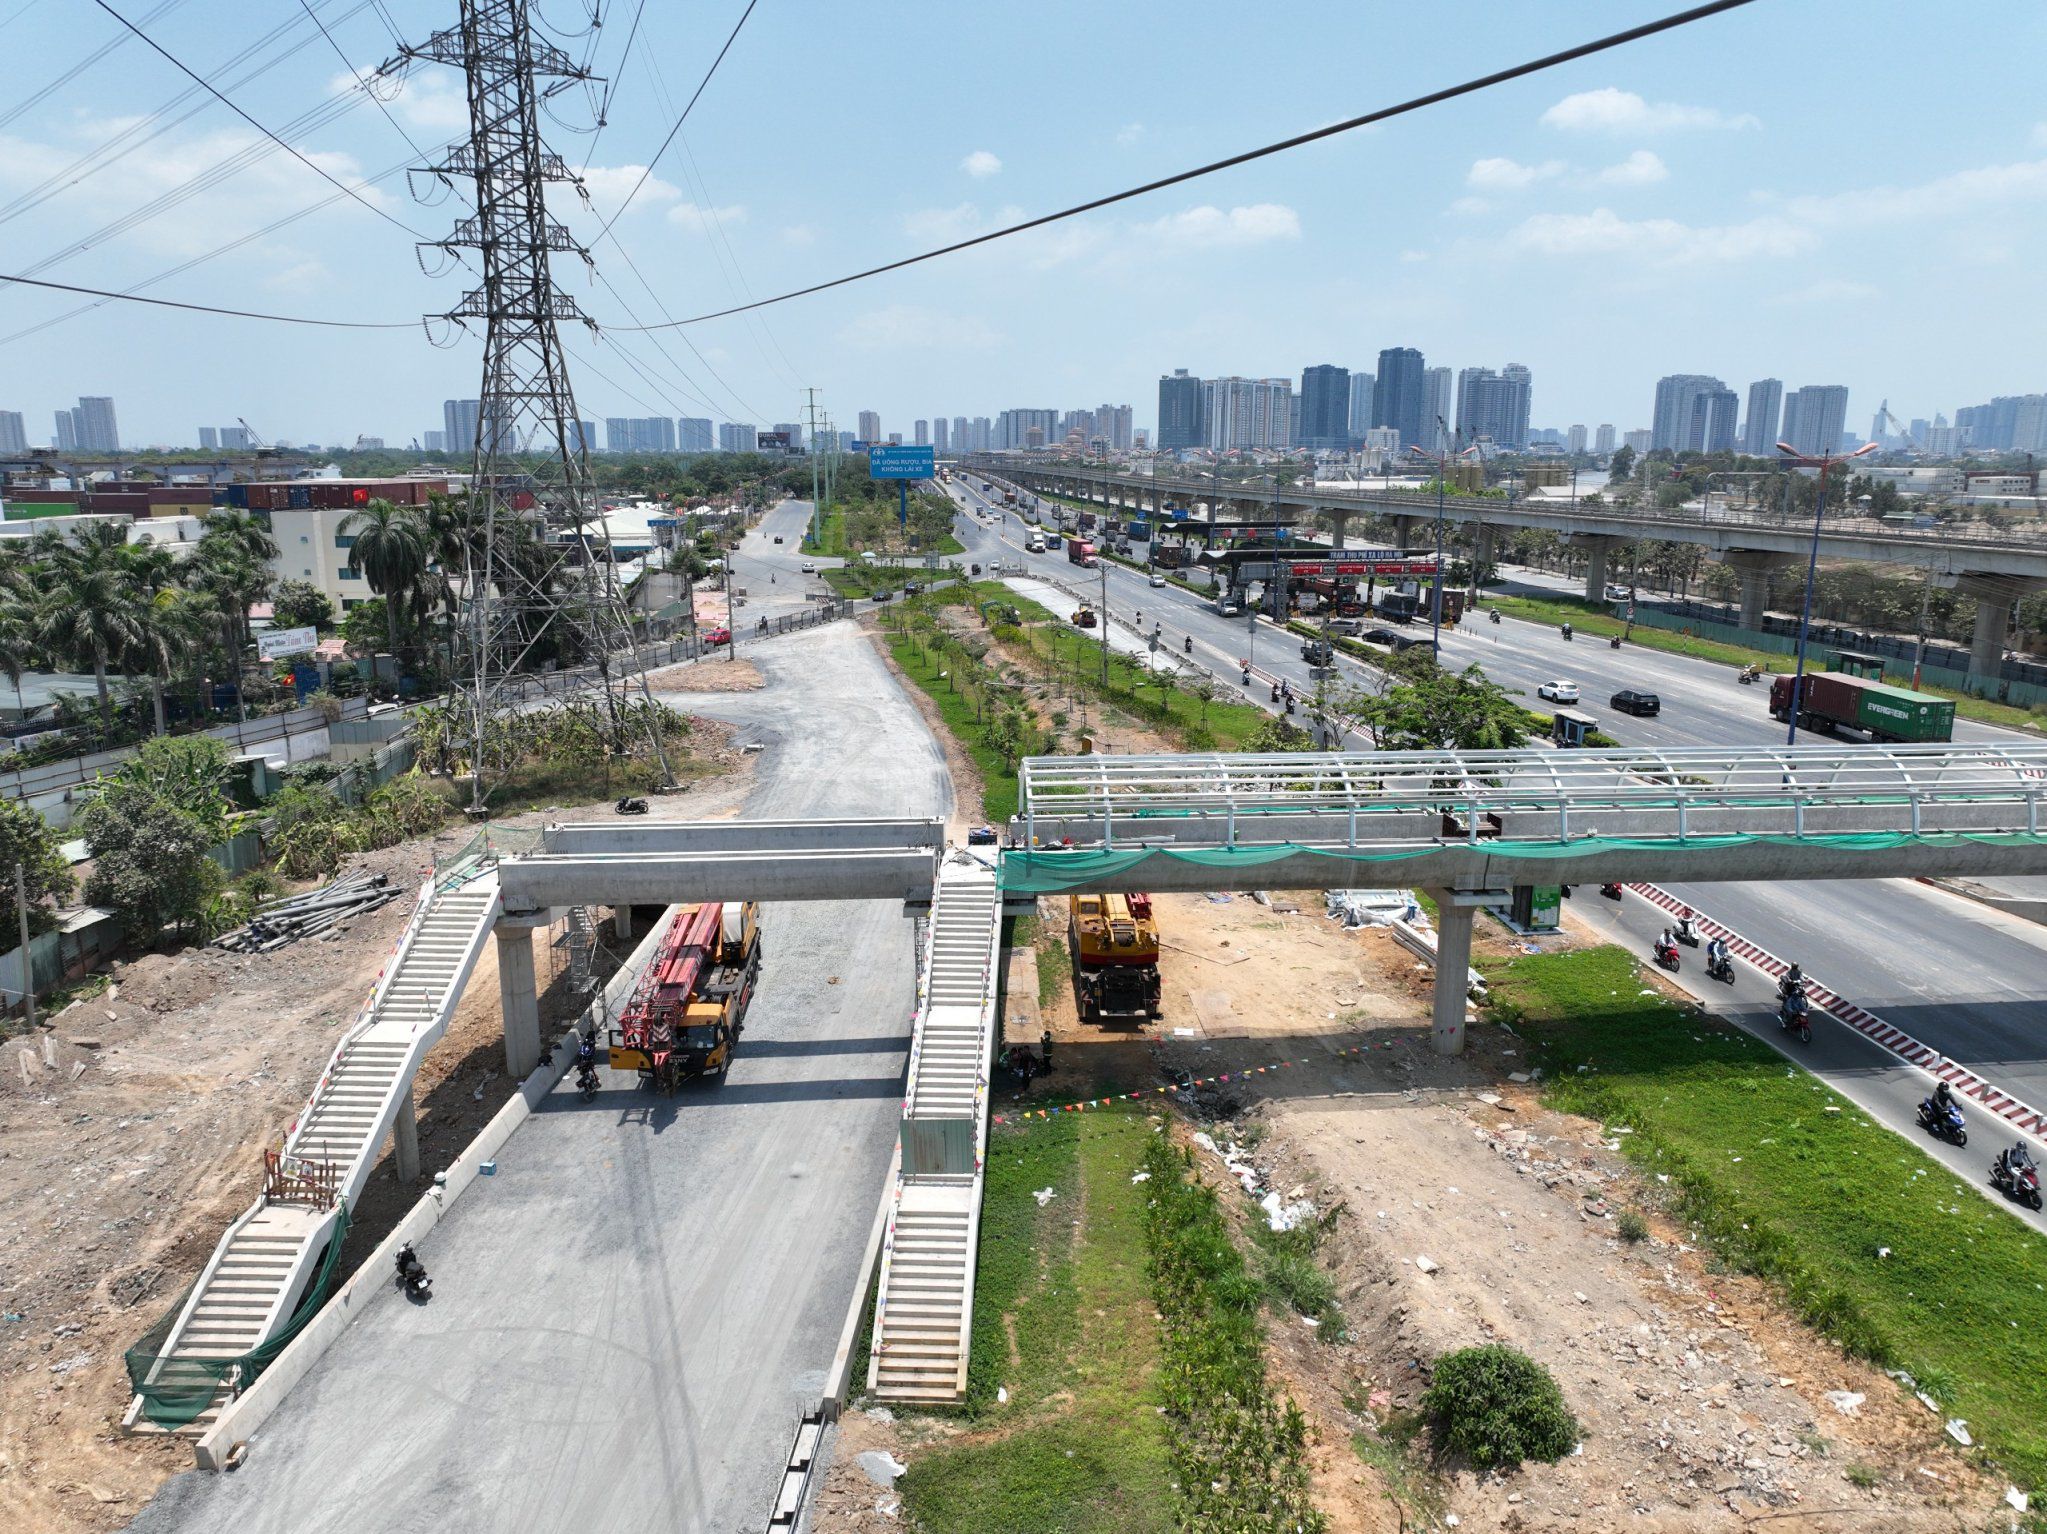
(1054, 872)
(175, 1390)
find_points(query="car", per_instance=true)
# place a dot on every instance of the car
(1229, 609)
(1617, 593)
(884, 596)
(1558, 692)
(1158, 580)
(1346, 628)
(1393, 639)
(717, 636)
(911, 588)
(1630, 701)
(778, 537)
(809, 568)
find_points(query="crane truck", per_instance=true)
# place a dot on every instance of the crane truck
(686, 1014)
(1115, 943)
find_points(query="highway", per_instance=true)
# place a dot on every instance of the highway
(1960, 977)
(630, 1315)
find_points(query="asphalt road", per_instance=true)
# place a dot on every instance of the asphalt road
(1960, 977)
(629, 1317)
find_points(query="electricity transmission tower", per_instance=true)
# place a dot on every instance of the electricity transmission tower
(540, 582)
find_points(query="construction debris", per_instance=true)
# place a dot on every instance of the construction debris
(286, 921)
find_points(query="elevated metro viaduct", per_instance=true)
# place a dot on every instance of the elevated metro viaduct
(1975, 559)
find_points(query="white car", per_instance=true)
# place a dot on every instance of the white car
(1558, 692)
(809, 569)
(1158, 580)
(1228, 609)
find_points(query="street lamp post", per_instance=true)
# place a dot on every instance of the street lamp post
(1825, 463)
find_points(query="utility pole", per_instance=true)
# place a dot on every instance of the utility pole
(816, 509)
(520, 608)
(28, 969)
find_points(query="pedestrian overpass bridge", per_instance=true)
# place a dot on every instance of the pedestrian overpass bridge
(1468, 826)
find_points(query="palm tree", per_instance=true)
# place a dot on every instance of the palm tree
(391, 550)
(170, 626)
(89, 607)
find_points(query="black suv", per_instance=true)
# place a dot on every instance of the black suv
(1628, 701)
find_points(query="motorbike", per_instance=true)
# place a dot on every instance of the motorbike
(1748, 674)
(1567, 631)
(412, 1274)
(1666, 954)
(1685, 932)
(1610, 891)
(2016, 1179)
(1493, 615)
(1794, 1015)
(1614, 643)
(630, 806)
(586, 1081)
(1944, 1126)
(1720, 966)
(1187, 645)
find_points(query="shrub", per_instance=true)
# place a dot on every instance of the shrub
(1631, 1225)
(1496, 1407)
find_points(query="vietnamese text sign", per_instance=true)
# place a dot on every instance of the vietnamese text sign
(277, 643)
(1375, 565)
(895, 461)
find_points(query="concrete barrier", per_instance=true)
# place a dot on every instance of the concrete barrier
(254, 1406)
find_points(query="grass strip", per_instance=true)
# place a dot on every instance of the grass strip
(1062, 1323)
(933, 674)
(1239, 1451)
(1874, 1243)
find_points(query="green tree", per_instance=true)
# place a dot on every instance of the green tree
(1621, 465)
(26, 838)
(300, 605)
(149, 860)
(192, 773)
(391, 550)
(364, 624)
(88, 610)
(1436, 710)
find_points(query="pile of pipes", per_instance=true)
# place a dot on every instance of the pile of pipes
(286, 921)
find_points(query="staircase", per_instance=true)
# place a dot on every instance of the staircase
(924, 1316)
(261, 1268)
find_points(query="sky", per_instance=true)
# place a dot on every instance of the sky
(1790, 190)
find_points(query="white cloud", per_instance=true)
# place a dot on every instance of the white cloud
(699, 217)
(429, 99)
(907, 327)
(1642, 168)
(1413, 257)
(1209, 226)
(799, 234)
(1470, 207)
(1130, 133)
(1830, 290)
(1984, 186)
(1503, 175)
(980, 164)
(941, 226)
(1608, 110)
(1603, 232)
(610, 185)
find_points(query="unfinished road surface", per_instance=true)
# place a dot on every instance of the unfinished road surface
(628, 1318)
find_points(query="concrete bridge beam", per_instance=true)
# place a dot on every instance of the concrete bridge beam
(1754, 567)
(1597, 547)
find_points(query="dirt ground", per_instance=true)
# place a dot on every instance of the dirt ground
(708, 676)
(135, 1137)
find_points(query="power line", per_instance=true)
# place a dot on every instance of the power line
(240, 314)
(656, 160)
(177, 64)
(1433, 98)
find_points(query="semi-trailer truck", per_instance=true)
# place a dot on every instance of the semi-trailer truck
(1081, 552)
(1830, 701)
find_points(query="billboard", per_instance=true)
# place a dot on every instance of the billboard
(895, 461)
(771, 441)
(1372, 562)
(277, 643)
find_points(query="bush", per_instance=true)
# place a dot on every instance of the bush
(1631, 1225)
(1496, 1407)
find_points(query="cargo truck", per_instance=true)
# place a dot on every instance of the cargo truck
(1115, 944)
(1830, 701)
(684, 1017)
(1081, 552)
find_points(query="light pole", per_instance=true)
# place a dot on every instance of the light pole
(1825, 463)
(1436, 589)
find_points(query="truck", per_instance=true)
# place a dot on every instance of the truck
(1115, 945)
(1009, 497)
(685, 1016)
(1318, 652)
(1830, 701)
(1081, 552)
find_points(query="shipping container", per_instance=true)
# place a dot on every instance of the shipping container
(1830, 701)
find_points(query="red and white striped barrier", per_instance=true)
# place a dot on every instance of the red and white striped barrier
(2020, 1115)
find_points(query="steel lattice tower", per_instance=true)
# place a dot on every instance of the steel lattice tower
(518, 596)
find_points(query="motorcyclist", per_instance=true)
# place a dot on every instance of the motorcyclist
(586, 1051)
(1716, 952)
(1567, 631)
(1943, 1101)
(1665, 943)
(1685, 929)
(1493, 613)
(1614, 643)
(1794, 980)
(2016, 1160)
(1187, 645)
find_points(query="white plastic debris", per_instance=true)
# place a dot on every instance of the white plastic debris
(1427, 1264)
(2015, 1499)
(1043, 1196)
(1958, 1430)
(1138, 1177)
(1883, 1251)
(1001, 1395)
(1847, 1402)
(881, 1467)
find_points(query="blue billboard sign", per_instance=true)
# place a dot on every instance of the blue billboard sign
(858, 446)
(895, 461)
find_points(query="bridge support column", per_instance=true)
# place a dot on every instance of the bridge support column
(1481, 552)
(518, 998)
(622, 921)
(1403, 531)
(1596, 546)
(1754, 566)
(1454, 913)
(405, 1138)
(1994, 596)
(1339, 525)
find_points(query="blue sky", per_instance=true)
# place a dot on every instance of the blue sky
(1793, 190)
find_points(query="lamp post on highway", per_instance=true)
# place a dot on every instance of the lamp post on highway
(1442, 459)
(1825, 464)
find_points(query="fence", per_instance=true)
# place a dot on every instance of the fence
(1897, 669)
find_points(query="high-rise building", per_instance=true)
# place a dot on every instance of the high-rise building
(740, 437)
(1574, 440)
(13, 432)
(1493, 407)
(1399, 397)
(1815, 417)
(209, 439)
(1437, 410)
(1325, 408)
(1360, 421)
(1113, 425)
(1602, 439)
(639, 434)
(1765, 409)
(961, 435)
(586, 437)
(792, 430)
(1246, 413)
(922, 432)
(1918, 429)
(67, 432)
(1015, 428)
(236, 439)
(1637, 442)
(1182, 419)
(93, 422)
(941, 437)
(1880, 424)
(693, 434)
(870, 426)
(1681, 424)
(434, 442)
(366, 444)
(460, 419)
